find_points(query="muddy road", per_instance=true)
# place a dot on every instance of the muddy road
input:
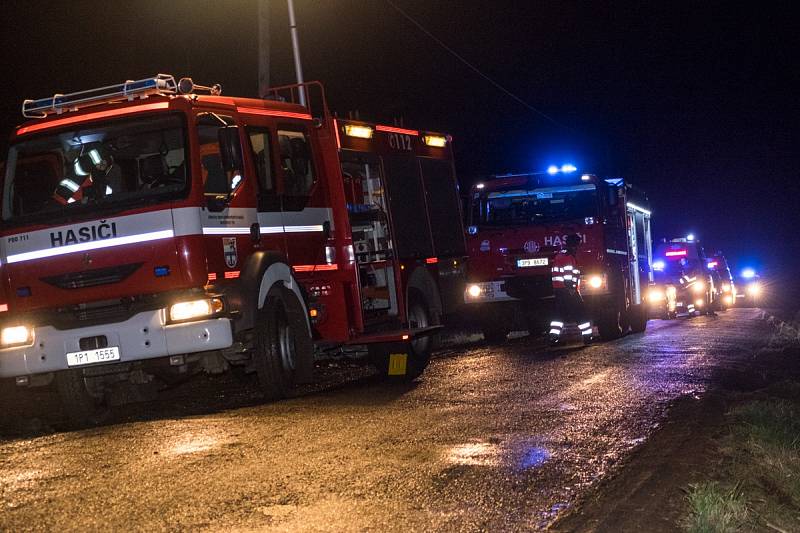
(490, 438)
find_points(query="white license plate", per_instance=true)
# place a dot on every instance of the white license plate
(89, 357)
(536, 262)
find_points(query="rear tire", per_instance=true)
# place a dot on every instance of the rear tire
(81, 408)
(638, 319)
(609, 324)
(281, 340)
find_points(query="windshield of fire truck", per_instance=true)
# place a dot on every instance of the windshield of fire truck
(86, 167)
(537, 206)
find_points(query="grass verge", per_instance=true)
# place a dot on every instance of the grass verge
(760, 488)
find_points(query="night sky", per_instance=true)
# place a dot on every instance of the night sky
(698, 105)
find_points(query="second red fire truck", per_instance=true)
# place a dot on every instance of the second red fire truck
(155, 228)
(519, 222)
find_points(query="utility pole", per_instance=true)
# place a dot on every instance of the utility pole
(263, 47)
(298, 68)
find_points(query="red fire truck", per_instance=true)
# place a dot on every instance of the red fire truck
(519, 222)
(155, 228)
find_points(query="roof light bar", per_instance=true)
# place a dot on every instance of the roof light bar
(676, 253)
(58, 103)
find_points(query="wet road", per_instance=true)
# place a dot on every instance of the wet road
(491, 438)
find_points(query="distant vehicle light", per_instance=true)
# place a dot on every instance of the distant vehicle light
(676, 253)
(568, 168)
(699, 302)
(552, 169)
(712, 264)
(690, 237)
(436, 141)
(474, 291)
(586, 177)
(659, 265)
(356, 130)
(748, 273)
(754, 289)
(480, 186)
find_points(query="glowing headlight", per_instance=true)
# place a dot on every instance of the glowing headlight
(699, 286)
(726, 287)
(195, 309)
(16, 336)
(753, 289)
(474, 291)
(595, 282)
(656, 295)
(699, 302)
(728, 300)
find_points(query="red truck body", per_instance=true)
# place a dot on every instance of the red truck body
(518, 224)
(122, 202)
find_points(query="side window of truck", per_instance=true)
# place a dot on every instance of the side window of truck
(297, 167)
(261, 152)
(216, 180)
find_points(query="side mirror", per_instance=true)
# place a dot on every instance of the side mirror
(230, 148)
(216, 203)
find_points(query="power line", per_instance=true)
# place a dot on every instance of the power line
(475, 69)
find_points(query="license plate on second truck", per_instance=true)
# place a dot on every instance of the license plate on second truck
(536, 262)
(89, 357)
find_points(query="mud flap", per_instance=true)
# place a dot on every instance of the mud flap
(396, 360)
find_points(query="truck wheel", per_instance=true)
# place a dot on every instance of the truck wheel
(81, 408)
(280, 341)
(609, 324)
(638, 319)
(494, 332)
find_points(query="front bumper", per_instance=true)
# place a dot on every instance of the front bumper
(145, 335)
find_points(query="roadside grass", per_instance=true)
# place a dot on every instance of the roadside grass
(761, 488)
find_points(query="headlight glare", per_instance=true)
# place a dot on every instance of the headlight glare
(474, 291)
(699, 286)
(195, 309)
(16, 336)
(656, 295)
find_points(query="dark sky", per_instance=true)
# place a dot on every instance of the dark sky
(696, 104)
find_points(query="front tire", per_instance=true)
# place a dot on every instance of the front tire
(638, 319)
(81, 408)
(281, 340)
(609, 324)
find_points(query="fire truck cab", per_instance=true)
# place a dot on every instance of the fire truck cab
(156, 228)
(683, 282)
(517, 225)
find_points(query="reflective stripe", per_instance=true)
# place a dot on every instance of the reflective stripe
(585, 325)
(91, 245)
(576, 271)
(555, 331)
(569, 267)
(567, 277)
(558, 278)
(556, 324)
(586, 332)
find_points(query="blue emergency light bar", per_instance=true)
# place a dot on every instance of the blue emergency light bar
(58, 103)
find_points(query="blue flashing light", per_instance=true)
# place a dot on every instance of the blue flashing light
(748, 273)
(161, 271)
(552, 170)
(690, 237)
(568, 168)
(659, 265)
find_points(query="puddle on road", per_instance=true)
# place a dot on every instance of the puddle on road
(517, 454)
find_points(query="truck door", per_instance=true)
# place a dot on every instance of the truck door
(268, 204)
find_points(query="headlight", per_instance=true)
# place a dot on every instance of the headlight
(699, 302)
(699, 286)
(195, 309)
(16, 336)
(728, 300)
(594, 281)
(656, 295)
(474, 291)
(753, 289)
(726, 287)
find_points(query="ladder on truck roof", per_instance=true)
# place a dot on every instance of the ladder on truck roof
(58, 103)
